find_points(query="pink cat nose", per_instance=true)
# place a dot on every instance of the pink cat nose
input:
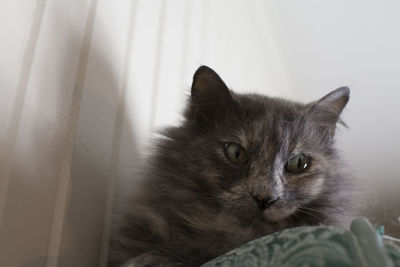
(264, 202)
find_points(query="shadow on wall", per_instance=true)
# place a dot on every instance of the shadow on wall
(97, 159)
(87, 104)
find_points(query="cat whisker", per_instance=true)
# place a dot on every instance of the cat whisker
(314, 210)
(311, 214)
(297, 216)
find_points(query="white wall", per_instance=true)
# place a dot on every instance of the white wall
(356, 43)
(83, 84)
(327, 44)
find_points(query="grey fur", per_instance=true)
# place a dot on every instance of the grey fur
(193, 204)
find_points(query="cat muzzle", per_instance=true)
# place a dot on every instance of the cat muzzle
(264, 203)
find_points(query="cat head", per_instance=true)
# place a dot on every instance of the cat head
(260, 156)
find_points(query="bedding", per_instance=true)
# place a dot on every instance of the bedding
(322, 246)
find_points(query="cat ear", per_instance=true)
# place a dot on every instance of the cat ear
(210, 97)
(327, 110)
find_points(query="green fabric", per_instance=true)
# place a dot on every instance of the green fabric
(322, 246)
(394, 254)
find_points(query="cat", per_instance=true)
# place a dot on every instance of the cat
(240, 166)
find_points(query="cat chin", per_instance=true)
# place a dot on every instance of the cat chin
(275, 214)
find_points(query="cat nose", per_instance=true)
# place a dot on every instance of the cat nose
(264, 202)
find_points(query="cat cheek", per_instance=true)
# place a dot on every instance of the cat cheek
(315, 188)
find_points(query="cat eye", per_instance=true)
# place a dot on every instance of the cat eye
(235, 153)
(298, 163)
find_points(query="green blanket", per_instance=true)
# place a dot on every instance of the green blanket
(322, 246)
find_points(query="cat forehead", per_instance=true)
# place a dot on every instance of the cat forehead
(267, 119)
(261, 131)
(267, 111)
(267, 108)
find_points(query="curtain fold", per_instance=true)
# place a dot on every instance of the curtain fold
(84, 85)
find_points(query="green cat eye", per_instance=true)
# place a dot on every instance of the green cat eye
(235, 153)
(298, 163)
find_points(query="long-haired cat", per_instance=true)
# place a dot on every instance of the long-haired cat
(239, 167)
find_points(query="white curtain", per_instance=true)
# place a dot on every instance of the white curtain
(84, 83)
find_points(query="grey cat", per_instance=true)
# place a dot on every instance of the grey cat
(239, 167)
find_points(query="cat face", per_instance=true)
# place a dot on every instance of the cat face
(267, 157)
